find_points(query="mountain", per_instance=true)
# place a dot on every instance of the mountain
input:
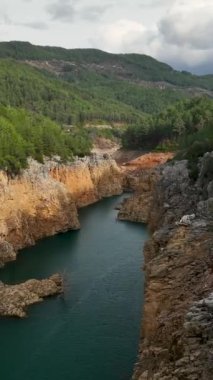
(131, 67)
(27, 87)
(82, 87)
(88, 85)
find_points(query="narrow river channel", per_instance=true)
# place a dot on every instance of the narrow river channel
(92, 331)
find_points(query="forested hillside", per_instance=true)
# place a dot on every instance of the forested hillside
(24, 86)
(88, 99)
(24, 134)
(48, 95)
(176, 127)
(127, 66)
(86, 85)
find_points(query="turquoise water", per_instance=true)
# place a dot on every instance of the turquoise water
(92, 332)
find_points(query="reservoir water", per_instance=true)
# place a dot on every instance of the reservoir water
(92, 332)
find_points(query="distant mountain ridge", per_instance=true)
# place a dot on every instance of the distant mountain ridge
(80, 86)
(133, 67)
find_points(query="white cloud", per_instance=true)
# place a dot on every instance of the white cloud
(182, 37)
(189, 26)
(185, 34)
(119, 35)
(39, 25)
(175, 31)
(67, 10)
(62, 10)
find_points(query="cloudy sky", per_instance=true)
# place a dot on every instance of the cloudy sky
(178, 32)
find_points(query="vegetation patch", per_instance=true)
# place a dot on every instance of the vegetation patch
(25, 134)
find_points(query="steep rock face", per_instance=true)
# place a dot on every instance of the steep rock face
(41, 202)
(33, 206)
(14, 299)
(176, 337)
(44, 199)
(141, 176)
(178, 274)
(89, 180)
(137, 207)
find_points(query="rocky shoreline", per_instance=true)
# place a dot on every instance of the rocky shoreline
(177, 325)
(14, 299)
(41, 202)
(44, 199)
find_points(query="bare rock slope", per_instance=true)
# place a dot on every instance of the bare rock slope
(44, 199)
(176, 333)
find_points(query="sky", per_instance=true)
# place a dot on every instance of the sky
(178, 32)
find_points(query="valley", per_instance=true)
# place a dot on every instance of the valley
(106, 192)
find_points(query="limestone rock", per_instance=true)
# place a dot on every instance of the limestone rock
(186, 220)
(44, 199)
(7, 252)
(137, 207)
(14, 299)
(176, 339)
(41, 202)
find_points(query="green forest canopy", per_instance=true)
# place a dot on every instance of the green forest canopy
(91, 86)
(104, 88)
(134, 66)
(185, 121)
(24, 86)
(24, 134)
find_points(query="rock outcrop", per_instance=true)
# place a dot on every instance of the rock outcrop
(89, 180)
(137, 208)
(176, 335)
(44, 199)
(7, 253)
(33, 206)
(141, 176)
(41, 202)
(148, 161)
(14, 299)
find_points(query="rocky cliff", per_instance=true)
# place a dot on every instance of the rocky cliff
(89, 180)
(176, 336)
(43, 201)
(141, 176)
(137, 208)
(33, 206)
